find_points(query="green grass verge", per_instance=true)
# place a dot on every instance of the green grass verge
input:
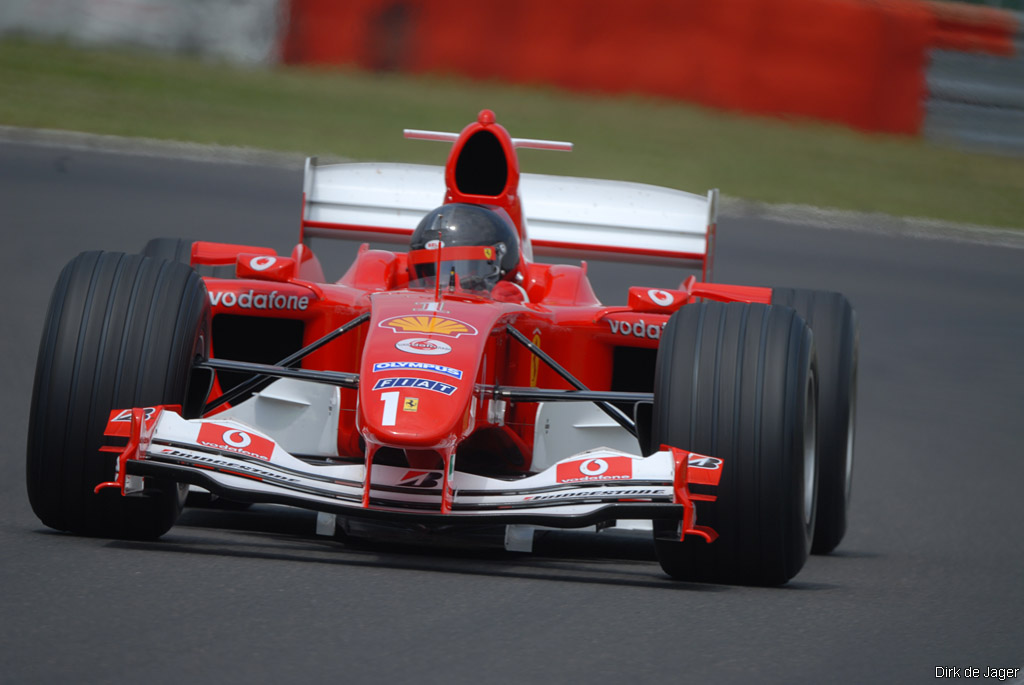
(358, 115)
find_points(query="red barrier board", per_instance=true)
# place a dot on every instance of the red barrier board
(849, 61)
(970, 28)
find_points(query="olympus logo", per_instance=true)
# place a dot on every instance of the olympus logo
(418, 366)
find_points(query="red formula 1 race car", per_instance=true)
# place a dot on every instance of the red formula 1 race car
(454, 382)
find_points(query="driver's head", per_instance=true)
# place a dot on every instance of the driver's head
(480, 244)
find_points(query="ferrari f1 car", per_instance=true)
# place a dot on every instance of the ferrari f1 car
(455, 382)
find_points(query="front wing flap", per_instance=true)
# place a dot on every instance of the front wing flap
(236, 461)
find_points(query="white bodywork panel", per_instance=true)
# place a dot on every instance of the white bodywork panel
(566, 215)
(300, 416)
(567, 428)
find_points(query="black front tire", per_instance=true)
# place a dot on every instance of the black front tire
(737, 382)
(121, 331)
(834, 324)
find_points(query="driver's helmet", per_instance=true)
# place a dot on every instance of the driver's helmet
(480, 244)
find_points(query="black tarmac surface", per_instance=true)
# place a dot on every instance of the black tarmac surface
(931, 573)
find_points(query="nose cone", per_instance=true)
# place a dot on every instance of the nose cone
(419, 369)
(412, 410)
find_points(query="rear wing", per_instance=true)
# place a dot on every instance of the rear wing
(565, 216)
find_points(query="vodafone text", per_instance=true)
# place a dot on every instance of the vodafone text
(258, 300)
(639, 329)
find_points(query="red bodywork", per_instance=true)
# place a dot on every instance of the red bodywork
(426, 357)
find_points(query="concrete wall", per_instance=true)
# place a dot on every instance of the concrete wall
(242, 31)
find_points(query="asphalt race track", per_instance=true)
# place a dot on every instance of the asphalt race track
(931, 573)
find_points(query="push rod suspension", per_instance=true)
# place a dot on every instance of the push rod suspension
(247, 386)
(611, 410)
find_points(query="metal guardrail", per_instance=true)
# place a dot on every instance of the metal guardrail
(976, 100)
(1002, 4)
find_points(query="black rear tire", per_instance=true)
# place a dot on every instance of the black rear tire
(834, 324)
(180, 250)
(121, 331)
(737, 382)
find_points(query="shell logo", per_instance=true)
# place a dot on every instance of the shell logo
(437, 325)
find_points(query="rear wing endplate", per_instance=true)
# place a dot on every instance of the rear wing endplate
(565, 216)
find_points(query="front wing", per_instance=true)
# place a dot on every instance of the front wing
(235, 461)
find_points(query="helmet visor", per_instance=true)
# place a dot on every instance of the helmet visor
(476, 268)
